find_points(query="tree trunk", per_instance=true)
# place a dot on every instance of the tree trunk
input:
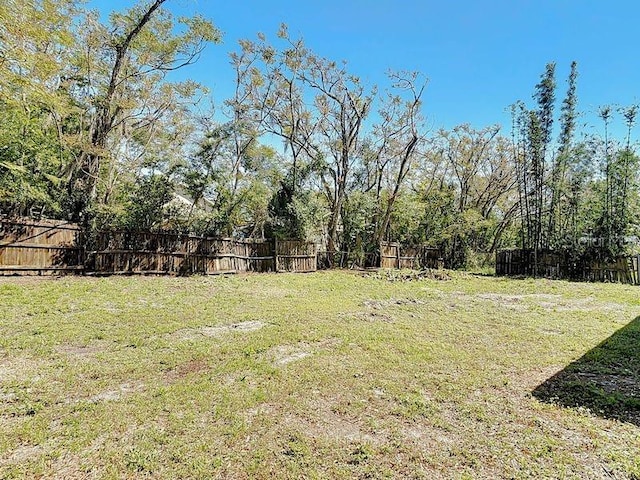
(83, 184)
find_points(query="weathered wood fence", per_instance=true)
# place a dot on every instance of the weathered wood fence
(295, 256)
(557, 265)
(50, 246)
(40, 247)
(394, 255)
(167, 253)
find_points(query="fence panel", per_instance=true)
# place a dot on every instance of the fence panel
(557, 265)
(409, 257)
(47, 246)
(177, 254)
(390, 255)
(295, 256)
(430, 258)
(394, 255)
(40, 247)
(635, 269)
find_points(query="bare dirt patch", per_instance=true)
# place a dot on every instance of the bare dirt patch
(377, 310)
(505, 299)
(118, 393)
(376, 317)
(81, 351)
(427, 436)
(266, 409)
(281, 355)
(550, 302)
(185, 369)
(580, 304)
(284, 354)
(392, 302)
(218, 330)
(22, 454)
(327, 422)
(18, 369)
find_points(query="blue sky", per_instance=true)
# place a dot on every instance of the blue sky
(479, 56)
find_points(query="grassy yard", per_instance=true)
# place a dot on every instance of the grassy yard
(327, 375)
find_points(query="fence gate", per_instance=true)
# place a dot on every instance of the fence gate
(40, 247)
(390, 255)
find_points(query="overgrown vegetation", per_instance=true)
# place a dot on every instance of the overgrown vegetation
(327, 375)
(91, 117)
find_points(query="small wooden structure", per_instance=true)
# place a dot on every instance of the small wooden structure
(40, 247)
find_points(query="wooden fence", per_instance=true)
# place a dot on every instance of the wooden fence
(166, 253)
(295, 256)
(622, 270)
(51, 246)
(557, 265)
(394, 255)
(39, 247)
(178, 254)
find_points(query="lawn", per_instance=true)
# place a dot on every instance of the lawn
(325, 375)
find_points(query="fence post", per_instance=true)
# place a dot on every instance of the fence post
(275, 255)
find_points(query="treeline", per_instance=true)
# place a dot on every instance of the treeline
(93, 128)
(575, 194)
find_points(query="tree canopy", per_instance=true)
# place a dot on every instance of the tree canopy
(94, 127)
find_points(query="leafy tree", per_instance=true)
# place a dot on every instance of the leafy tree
(146, 203)
(397, 139)
(124, 86)
(36, 41)
(471, 202)
(560, 209)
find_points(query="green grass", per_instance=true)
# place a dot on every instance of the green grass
(327, 375)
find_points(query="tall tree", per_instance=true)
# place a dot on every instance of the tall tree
(37, 41)
(343, 103)
(128, 62)
(540, 134)
(559, 209)
(398, 138)
(476, 191)
(278, 107)
(532, 134)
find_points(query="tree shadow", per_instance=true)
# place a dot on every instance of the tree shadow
(606, 379)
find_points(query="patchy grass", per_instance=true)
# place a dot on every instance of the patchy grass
(327, 375)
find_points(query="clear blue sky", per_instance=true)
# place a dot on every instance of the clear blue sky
(479, 56)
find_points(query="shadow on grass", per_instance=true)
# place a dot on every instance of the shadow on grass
(606, 380)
